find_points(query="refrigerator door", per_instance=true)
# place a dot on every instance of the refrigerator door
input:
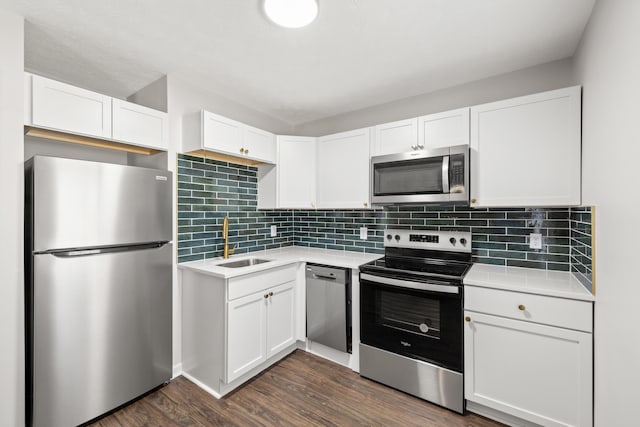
(101, 331)
(78, 204)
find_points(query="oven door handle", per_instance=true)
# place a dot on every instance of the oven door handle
(447, 289)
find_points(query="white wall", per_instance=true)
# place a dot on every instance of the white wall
(608, 66)
(552, 75)
(11, 221)
(185, 98)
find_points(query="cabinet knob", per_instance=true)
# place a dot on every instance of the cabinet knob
(242, 150)
(420, 146)
(521, 307)
(266, 295)
(414, 147)
(270, 294)
(246, 151)
(467, 319)
(473, 200)
(365, 204)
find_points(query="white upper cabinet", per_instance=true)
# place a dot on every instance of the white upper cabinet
(219, 134)
(135, 124)
(60, 106)
(444, 129)
(396, 137)
(343, 170)
(296, 172)
(526, 151)
(259, 144)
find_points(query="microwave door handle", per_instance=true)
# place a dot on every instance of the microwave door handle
(445, 174)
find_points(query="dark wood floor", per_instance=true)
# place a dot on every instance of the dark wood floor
(300, 390)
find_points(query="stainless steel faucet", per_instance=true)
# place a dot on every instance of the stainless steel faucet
(225, 235)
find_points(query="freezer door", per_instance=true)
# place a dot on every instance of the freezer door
(101, 332)
(84, 204)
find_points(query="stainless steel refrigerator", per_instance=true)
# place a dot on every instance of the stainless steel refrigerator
(98, 291)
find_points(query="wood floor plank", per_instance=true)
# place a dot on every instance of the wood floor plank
(301, 390)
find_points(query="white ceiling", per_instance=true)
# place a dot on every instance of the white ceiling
(358, 53)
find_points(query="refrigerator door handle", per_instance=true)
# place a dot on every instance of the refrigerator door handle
(72, 253)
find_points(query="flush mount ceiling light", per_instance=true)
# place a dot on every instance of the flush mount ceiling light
(291, 13)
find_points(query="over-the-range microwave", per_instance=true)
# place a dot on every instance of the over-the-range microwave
(439, 175)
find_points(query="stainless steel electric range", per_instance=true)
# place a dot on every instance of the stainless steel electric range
(411, 305)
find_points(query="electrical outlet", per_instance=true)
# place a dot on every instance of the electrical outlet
(535, 241)
(363, 233)
(274, 231)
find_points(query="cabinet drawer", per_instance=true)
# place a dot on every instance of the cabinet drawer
(553, 311)
(258, 281)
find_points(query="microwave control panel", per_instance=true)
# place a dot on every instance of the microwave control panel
(456, 173)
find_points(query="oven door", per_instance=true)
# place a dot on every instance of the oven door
(415, 319)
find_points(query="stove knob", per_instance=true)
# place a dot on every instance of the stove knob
(453, 240)
(397, 237)
(389, 236)
(463, 241)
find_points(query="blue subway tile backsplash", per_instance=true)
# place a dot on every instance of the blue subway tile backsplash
(209, 189)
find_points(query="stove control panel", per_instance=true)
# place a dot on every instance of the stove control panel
(429, 238)
(423, 239)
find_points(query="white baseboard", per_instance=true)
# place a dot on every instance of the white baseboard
(202, 385)
(499, 416)
(177, 370)
(331, 354)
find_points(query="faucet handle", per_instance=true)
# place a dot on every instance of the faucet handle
(233, 249)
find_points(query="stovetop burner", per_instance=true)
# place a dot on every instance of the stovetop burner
(444, 255)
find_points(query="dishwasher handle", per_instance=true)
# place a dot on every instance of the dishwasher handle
(319, 276)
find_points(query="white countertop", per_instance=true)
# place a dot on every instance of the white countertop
(529, 280)
(279, 257)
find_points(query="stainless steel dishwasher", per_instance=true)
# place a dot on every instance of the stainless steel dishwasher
(329, 306)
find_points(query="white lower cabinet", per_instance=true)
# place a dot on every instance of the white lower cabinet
(246, 334)
(232, 328)
(259, 326)
(540, 373)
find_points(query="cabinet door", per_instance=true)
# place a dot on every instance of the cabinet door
(259, 144)
(221, 134)
(281, 318)
(526, 151)
(444, 129)
(343, 170)
(140, 125)
(396, 137)
(296, 172)
(70, 109)
(246, 334)
(540, 373)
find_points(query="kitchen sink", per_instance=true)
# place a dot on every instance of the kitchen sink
(243, 262)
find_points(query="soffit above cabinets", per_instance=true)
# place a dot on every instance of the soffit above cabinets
(358, 53)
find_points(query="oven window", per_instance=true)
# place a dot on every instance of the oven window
(418, 316)
(419, 176)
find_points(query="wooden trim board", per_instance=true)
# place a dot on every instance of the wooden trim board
(224, 157)
(86, 140)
